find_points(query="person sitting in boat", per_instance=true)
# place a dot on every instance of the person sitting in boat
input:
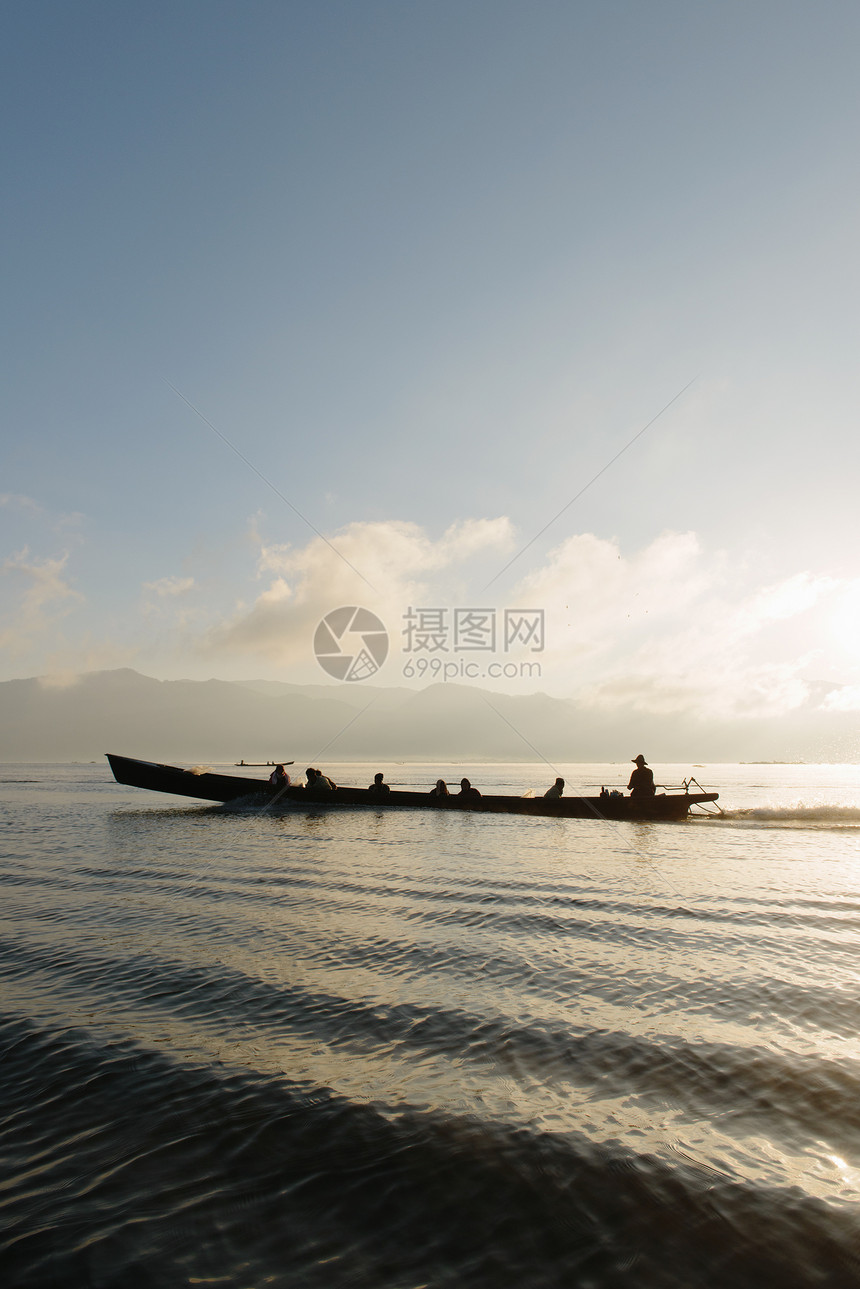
(440, 790)
(279, 777)
(318, 782)
(553, 793)
(642, 779)
(378, 788)
(467, 793)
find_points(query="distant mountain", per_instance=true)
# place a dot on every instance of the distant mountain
(187, 720)
(357, 695)
(214, 720)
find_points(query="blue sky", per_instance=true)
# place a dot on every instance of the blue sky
(423, 265)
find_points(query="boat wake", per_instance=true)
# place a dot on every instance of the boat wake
(253, 802)
(799, 815)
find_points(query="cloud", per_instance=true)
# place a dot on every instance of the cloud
(783, 600)
(597, 599)
(46, 598)
(669, 629)
(383, 566)
(65, 525)
(845, 699)
(73, 659)
(378, 554)
(738, 690)
(674, 629)
(170, 586)
(17, 501)
(60, 679)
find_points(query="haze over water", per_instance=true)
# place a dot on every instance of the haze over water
(398, 1049)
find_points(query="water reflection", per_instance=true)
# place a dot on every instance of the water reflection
(606, 1031)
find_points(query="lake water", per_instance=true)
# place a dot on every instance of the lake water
(388, 1050)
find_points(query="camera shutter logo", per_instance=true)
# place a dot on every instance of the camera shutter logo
(351, 643)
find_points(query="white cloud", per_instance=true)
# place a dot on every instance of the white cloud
(384, 566)
(65, 525)
(170, 586)
(46, 598)
(674, 629)
(17, 501)
(73, 659)
(670, 628)
(60, 679)
(844, 622)
(846, 699)
(598, 600)
(785, 599)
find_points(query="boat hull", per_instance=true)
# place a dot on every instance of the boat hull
(208, 786)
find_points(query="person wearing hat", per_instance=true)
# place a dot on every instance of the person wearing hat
(642, 779)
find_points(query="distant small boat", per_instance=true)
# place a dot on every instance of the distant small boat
(258, 765)
(208, 786)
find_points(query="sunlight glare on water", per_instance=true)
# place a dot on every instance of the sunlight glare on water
(302, 1043)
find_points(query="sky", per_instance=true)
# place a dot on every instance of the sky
(453, 305)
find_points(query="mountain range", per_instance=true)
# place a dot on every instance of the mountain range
(256, 721)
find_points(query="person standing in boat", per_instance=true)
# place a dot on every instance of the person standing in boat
(642, 779)
(553, 793)
(279, 777)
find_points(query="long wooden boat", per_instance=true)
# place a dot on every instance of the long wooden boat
(208, 786)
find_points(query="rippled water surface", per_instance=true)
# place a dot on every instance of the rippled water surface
(399, 1049)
